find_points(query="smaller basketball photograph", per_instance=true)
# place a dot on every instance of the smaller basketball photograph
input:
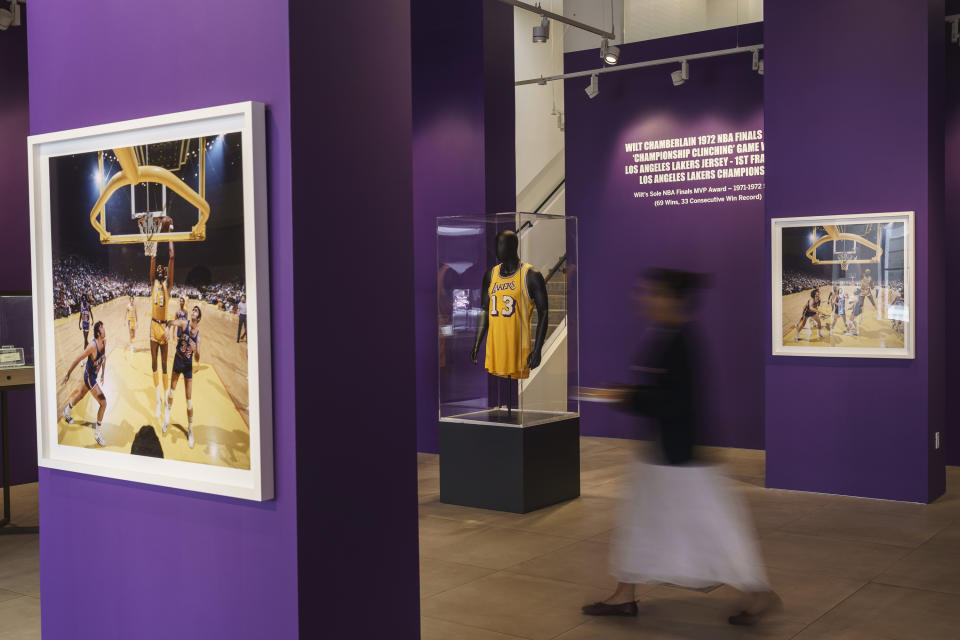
(843, 286)
(149, 301)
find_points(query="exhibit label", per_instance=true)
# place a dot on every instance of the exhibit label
(710, 168)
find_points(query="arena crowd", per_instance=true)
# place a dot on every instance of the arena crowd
(74, 277)
(794, 282)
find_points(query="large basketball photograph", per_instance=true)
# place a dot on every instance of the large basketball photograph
(843, 286)
(151, 302)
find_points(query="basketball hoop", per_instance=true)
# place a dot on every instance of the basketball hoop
(148, 226)
(844, 257)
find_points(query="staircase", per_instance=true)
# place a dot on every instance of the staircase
(556, 305)
(544, 244)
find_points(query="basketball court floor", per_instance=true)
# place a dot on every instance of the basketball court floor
(220, 387)
(875, 332)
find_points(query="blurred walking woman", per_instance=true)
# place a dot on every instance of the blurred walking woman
(680, 524)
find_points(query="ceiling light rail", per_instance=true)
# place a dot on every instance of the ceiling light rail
(11, 17)
(639, 65)
(540, 11)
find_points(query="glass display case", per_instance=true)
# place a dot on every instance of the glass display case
(16, 330)
(511, 395)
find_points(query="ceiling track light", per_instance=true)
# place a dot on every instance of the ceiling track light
(541, 32)
(757, 62)
(609, 52)
(10, 17)
(954, 21)
(558, 17)
(594, 87)
(681, 75)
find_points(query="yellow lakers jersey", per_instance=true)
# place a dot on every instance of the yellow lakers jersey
(508, 336)
(159, 300)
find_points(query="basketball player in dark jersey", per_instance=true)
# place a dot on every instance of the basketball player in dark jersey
(897, 324)
(181, 315)
(86, 317)
(811, 311)
(96, 355)
(187, 350)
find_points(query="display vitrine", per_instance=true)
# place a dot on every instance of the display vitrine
(477, 324)
(508, 360)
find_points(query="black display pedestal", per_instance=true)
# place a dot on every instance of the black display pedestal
(509, 468)
(10, 379)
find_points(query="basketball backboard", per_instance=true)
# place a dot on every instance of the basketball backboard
(143, 168)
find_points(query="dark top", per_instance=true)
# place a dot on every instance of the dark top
(670, 398)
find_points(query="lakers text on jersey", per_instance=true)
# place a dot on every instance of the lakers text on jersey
(508, 336)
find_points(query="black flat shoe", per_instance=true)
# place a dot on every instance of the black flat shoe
(604, 609)
(744, 619)
(747, 619)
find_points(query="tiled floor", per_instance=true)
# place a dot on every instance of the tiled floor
(20, 570)
(846, 568)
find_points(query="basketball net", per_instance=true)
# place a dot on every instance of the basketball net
(844, 258)
(148, 226)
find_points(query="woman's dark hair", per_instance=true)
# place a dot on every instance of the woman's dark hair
(678, 283)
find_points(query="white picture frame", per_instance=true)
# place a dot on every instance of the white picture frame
(876, 336)
(246, 118)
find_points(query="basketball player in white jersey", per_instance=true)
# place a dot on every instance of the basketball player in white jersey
(840, 310)
(132, 320)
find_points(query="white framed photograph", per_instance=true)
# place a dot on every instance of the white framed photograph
(151, 301)
(843, 286)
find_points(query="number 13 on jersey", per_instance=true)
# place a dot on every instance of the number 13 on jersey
(509, 306)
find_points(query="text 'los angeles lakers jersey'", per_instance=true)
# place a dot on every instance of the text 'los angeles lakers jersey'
(508, 336)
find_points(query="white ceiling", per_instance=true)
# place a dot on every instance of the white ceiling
(637, 20)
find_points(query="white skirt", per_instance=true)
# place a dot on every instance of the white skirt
(685, 525)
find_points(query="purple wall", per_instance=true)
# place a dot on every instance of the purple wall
(14, 128)
(356, 438)
(15, 212)
(853, 126)
(463, 155)
(620, 236)
(952, 230)
(121, 560)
